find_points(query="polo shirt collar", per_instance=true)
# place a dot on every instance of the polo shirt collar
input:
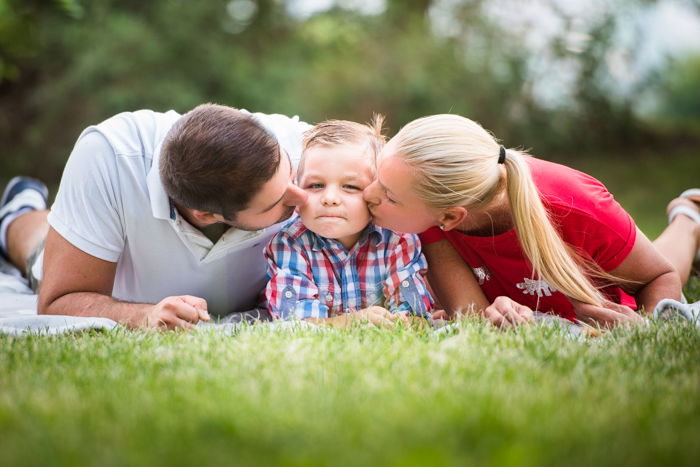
(161, 206)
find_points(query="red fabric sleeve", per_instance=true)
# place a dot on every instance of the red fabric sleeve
(432, 235)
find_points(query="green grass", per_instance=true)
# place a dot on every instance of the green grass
(362, 397)
(367, 397)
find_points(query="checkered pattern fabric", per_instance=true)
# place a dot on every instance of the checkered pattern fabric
(316, 277)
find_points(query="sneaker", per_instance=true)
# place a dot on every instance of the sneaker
(669, 307)
(21, 193)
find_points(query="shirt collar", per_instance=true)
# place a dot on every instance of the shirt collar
(161, 206)
(371, 233)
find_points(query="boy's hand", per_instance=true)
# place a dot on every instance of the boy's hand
(183, 311)
(441, 315)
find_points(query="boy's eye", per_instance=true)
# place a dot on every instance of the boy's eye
(314, 186)
(352, 187)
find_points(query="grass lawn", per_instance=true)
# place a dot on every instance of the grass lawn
(530, 397)
(361, 397)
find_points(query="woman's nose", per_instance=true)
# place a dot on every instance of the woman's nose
(370, 193)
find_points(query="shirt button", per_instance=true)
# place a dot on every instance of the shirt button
(329, 297)
(404, 283)
(288, 294)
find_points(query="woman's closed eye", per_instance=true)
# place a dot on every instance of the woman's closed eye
(386, 196)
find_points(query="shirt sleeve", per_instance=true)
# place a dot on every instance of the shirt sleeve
(598, 227)
(405, 288)
(291, 292)
(87, 210)
(431, 235)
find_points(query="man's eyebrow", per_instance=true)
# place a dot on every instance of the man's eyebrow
(270, 207)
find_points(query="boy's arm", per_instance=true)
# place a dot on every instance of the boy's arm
(291, 291)
(405, 288)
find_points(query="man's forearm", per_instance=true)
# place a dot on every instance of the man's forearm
(98, 305)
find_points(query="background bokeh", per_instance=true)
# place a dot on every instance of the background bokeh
(611, 87)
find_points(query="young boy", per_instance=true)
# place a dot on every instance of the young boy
(332, 263)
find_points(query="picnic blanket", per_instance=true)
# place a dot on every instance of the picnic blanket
(18, 315)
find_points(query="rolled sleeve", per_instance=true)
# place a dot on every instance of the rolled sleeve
(87, 211)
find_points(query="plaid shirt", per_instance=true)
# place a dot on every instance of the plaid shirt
(315, 277)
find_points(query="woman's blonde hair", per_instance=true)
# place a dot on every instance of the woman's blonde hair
(456, 161)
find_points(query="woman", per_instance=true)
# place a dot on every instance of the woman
(505, 233)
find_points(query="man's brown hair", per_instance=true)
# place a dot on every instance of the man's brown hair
(337, 132)
(216, 158)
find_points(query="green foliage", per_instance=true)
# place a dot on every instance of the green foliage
(680, 94)
(363, 397)
(75, 63)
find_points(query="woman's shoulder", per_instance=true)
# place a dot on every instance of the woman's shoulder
(565, 188)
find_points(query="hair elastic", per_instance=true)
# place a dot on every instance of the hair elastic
(502, 155)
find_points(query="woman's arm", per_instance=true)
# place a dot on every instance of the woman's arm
(652, 278)
(458, 291)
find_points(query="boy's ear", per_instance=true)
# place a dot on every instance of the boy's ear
(450, 218)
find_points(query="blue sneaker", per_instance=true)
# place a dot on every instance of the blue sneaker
(21, 193)
(19, 185)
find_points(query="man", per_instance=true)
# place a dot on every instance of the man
(159, 218)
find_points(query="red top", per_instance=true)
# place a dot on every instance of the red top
(586, 216)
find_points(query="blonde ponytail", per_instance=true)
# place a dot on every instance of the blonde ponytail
(550, 257)
(456, 162)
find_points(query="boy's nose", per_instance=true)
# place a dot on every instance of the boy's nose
(330, 197)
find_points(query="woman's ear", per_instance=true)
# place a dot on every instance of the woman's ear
(450, 218)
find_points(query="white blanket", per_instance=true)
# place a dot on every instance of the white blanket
(18, 314)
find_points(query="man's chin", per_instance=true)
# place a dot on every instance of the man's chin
(286, 215)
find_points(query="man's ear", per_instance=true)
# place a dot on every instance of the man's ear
(204, 218)
(450, 218)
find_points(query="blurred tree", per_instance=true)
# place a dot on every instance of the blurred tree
(77, 63)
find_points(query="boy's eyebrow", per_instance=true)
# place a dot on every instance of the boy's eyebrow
(269, 208)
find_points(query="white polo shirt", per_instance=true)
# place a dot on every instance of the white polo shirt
(112, 205)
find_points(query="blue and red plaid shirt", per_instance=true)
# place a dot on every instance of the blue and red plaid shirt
(315, 277)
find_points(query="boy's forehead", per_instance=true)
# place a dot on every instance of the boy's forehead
(343, 155)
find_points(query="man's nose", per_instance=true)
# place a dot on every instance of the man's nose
(295, 196)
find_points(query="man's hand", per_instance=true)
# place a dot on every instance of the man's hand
(183, 311)
(609, 316)
(506, 312)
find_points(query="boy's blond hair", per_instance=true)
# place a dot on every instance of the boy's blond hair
(331, 133)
